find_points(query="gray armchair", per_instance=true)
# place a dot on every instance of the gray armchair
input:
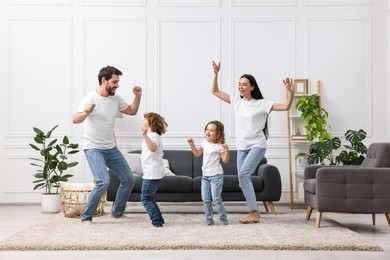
(361, 189)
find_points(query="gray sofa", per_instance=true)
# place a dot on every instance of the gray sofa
(186, 184)
(361, 189)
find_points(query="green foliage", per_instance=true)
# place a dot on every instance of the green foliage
(315, 117)
(52, 162)
(354, 153)
(322, 149)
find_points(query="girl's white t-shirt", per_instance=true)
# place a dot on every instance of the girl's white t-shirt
(99, 125)
(152, 163)
(211, 158)
(250, 118)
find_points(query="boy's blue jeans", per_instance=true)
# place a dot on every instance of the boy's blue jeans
(148, 190)
(211, 192)
(99, 160)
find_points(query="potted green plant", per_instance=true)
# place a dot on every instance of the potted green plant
(317, 129)
(354, 153)
(52, 165)
(315, 118)
(324, 145)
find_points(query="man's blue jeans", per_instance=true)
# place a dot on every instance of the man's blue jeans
(211, 192)
(247, 161)
(99, 160)
(148, 190)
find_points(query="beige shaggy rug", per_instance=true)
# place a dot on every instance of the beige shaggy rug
(187, 231)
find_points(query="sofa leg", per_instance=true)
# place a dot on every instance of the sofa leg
(266, 206)
(373, 219)
(272, 207)
(318, 219)
(309, 210)
(388, 218)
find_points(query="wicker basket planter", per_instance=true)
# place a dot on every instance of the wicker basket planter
(74, 197)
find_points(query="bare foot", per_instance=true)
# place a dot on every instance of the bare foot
(86, 222)
(121, 216)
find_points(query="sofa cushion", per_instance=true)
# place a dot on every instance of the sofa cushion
(180, 162)
(174, 183)
(378, 155)
(228, 169)
(134, 161)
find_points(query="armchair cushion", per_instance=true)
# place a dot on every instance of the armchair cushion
(378, 155)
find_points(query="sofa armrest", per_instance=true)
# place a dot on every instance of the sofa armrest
(311, 171)
(272, 181)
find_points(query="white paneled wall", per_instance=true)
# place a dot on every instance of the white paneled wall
(51, 52)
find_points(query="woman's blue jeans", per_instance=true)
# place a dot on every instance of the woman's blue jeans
(148, 190)
(211, 192)
(99, 162)
(247, 161)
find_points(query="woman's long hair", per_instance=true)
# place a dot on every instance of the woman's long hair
(256, 94)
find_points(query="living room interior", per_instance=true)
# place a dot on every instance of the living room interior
(52, 50)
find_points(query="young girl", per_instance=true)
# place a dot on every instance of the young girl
(213, 149)
(152, 127)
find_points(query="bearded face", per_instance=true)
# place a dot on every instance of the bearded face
(111, 85)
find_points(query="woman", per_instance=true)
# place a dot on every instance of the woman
(251, 111)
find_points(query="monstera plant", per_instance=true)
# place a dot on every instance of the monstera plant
(323, 152)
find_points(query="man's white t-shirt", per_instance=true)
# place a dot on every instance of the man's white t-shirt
(152, 163)
(211, 158)
(99, 125)
(250, 118)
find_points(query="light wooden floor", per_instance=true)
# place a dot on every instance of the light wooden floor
(16, 218)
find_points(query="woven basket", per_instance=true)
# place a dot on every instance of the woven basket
(74, 197)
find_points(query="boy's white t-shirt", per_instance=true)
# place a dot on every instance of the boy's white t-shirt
(211, 158)
(99, 125)
(152, 163)
(250, 118)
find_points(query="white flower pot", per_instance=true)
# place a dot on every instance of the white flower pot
(51, 203)
(303, 163)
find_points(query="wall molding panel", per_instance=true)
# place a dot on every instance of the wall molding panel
(262, 2)
(349, 39)
(264, 34)
(39, 2)
(337, 2)
(190, 36)
(128, 54)
(188, 3)
(34, 45)
(113, 3)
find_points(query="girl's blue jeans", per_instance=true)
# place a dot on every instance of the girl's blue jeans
(99, 162)
(211, 192)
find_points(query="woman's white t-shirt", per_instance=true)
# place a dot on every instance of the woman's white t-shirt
(211, 158)
(250, 118)
(99, 125)
(152, 163)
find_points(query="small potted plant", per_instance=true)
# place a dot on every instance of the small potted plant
(323, 146)
(52, 165)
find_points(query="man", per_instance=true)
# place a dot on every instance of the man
(98, 111)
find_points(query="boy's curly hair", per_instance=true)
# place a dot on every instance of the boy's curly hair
(220, 132)
(157, 123)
